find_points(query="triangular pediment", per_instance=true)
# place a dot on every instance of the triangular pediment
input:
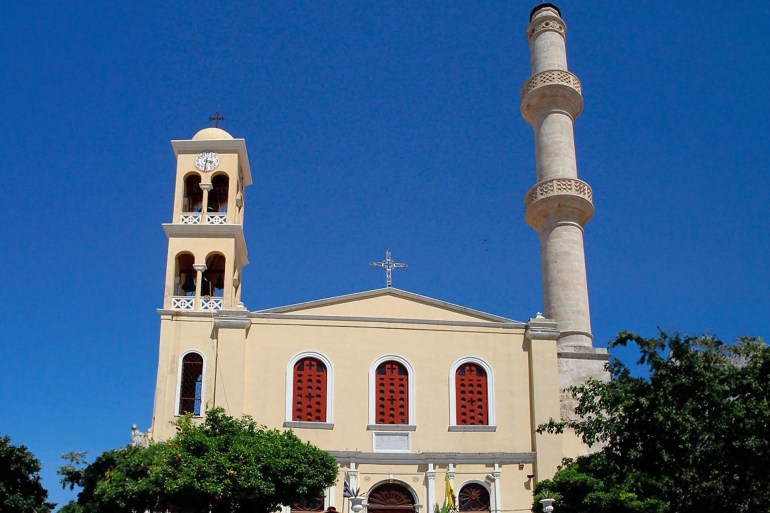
(388, 303)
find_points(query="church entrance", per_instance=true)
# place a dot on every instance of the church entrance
(390, 498)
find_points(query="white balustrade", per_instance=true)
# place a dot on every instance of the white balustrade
(220, 218)
(211, 303)
(182, 302)
(191, 218)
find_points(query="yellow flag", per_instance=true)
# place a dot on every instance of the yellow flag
(450, 494)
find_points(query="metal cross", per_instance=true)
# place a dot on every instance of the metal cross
(388, 264)
(216, 118)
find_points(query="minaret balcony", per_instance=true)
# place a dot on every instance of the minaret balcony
(197, 217)
(188, 303)
(556, 198)
(551, 90)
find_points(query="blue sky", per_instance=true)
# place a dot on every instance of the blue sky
(389, 124)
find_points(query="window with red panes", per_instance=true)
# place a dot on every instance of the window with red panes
(392, 389)
(471, 395)
(309, 391)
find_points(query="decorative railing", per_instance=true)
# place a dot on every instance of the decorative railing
(211, 303)
(216, 218)
(191, 218)
(182, 302)
(188, 303)
(571, 186)
(196, 217)
(551, 77)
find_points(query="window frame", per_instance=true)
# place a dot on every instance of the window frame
(180, 366)
(486, 486)
(411, 388)
(289, 409)
(491, 424)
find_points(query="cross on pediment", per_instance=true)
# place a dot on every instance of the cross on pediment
(388, 264)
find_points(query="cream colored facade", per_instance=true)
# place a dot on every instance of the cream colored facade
(249, 358)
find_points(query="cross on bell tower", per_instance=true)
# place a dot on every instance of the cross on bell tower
(216, 118)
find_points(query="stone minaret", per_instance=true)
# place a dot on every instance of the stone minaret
(559, 204)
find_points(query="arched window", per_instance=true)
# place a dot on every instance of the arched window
(214, 276)
(471, 395)
(309, 386)
(193, 194)
(186, 275)
(390, 498)
(218, 193)
(392, 393)
(191, 384)
(473, 497)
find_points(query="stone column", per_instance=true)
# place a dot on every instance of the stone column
(559, 204)
(431, 475)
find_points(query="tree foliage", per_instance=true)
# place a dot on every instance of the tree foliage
(222, 465)
(20, 487)
(691, 436)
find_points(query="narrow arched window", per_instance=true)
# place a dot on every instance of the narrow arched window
(309, 391)
(392, 389)
(471, 399)
(191, 384)
(193, 194)
(473, 497)
(186, 275)
(218, 194)
(214, 276)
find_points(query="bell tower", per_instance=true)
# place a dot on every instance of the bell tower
(206, 245)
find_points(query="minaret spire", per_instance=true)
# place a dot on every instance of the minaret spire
(559, 204)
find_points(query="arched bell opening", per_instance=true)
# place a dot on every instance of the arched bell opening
(193, 194)
(185, 276)
(218, 195)
(213, 283)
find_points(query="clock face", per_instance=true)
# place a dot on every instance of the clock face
(207, 161)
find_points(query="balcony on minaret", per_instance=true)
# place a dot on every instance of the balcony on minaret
(214, 195)
(199, 286)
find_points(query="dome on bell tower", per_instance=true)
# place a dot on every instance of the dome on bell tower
(212, 133)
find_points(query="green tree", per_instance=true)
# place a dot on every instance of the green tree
(693, 435)
(20, 488)
(222, 465)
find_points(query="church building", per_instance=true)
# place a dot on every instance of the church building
(411, 395)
